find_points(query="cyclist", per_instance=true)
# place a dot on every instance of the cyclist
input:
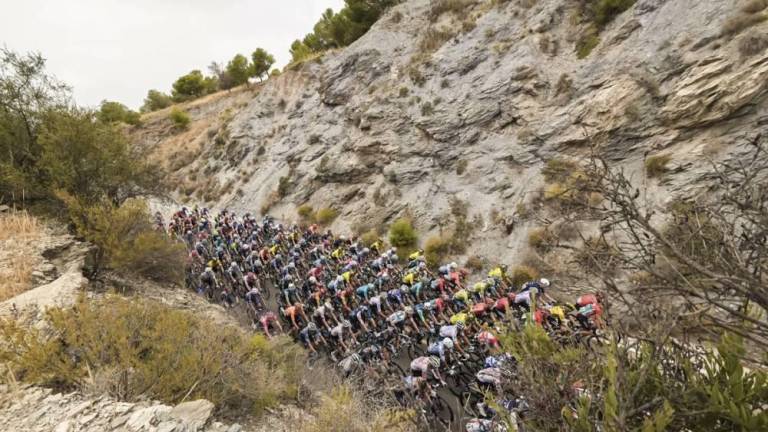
(441, 349)
(268, 319)
(423, 366)
(295, 311)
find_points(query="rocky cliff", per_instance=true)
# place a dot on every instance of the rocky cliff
(469, 101)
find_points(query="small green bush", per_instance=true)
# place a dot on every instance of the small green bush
(325, 216)
(126, 240)
(306, 212)
(461, 167)
(180, 118)
(606, 10)
(402, 234)
(403, 92)
(140, 348)
(656, 165)
(284, 186)
(586, 43)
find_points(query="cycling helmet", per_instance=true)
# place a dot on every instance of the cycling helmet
(434, 362)
(312, 327)
(291, 286)
(453, 265)
(346, 324)
(408, 310)
(544, 282)
(208, 270)
(448, 343)
(312, 280)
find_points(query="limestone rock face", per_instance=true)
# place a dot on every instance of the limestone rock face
(35, 409)
(422, 110)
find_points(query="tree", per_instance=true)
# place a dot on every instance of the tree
(91, 160)
(190, 86)
(238, 70)
(111, 112)
(262, 61)
(299, 51)
(27, 93)
(156, 100)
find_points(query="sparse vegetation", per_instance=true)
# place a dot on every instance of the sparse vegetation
(402, 234)
(156, 100)
(461, 166)
(441, 7)
(586, 43)
(656, 166)
(474, 263)
(403, 92)
(752, 44)
(306, 213)
(325, 216)
(427, 109)
(138, 348)
(179, 118)
(112, 112)
(541, 239)
(521, 274)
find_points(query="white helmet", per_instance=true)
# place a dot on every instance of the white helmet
(448, 343)
(312, 280)
(544, 282)
(328, 305)
(312, 327)
(453, 265)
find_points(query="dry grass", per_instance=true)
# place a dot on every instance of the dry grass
(656, 166)
(19, 225)
(18, 231)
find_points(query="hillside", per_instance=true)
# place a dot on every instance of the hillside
(469, 101)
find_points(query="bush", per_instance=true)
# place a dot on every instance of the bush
(586, 43)
(742, 21)
(461, 167)
(474, 263)
(754, 6)
(139, 349)
(605, 11)
(753, 44)
(192, 86)
(522, 274)
(180, 118)
(555, 191)
(112, 112)
(541, 239)
(325, 216)
(369, 237)
(402, 234)
(156, 100)
(656, 165)
(306, 212)
(558, 170)
(125, 239)
(340, 411)
(436, 249)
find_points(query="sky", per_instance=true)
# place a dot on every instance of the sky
(119, 49)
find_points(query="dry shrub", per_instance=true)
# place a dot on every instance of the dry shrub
(136, 349)
(370, 237)
(522, 273)
(325, 216)
(436, 249)
(17, 278)
(19, 225)
(441, 7)
(598, 255)
(541, 239)
(461, 167)
(432, 40)
(306, 213)
(340, 411)
(474, 263)
(754, 6)
(558, 170)
(753, 44)
(742, 21)
(656, 165)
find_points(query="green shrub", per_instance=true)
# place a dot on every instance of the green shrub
(370, 237)
(586, 43)
(521, 274)
(138, 349)
(306, 212)
(656, 165)
(402, 234)
(111, 112)
(403, 92)
(606, 10)
(126, 240)
(180, 118)
(284, 186)
(325, 216)
(156, 100)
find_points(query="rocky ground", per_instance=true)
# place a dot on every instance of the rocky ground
(427, 107)
(36, 409)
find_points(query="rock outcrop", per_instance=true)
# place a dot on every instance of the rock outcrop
(35, 409)
(470, 105)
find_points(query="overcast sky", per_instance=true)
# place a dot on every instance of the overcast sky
(119, 49)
